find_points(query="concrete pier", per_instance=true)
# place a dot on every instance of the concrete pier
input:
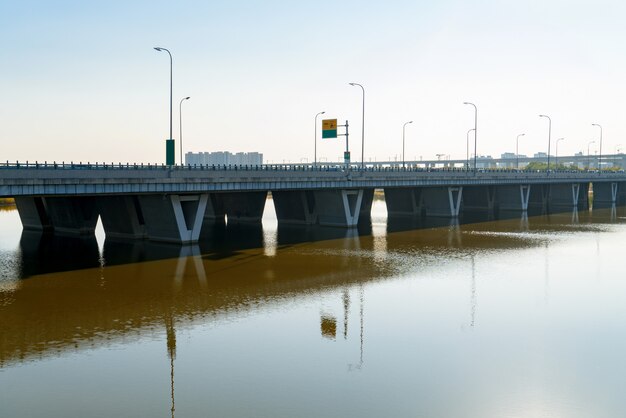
(564, 196)
(404, 202)
(121, 217)
(605, 192)
(295, 207)
(72, 215)
(442, 201)
(479, 198)
(33, 213)
(173, 218)
(243, 207)
(513, 198)
(338, 207)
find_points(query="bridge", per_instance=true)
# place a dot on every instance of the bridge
(172, 203)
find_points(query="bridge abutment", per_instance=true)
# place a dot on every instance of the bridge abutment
(173, 218)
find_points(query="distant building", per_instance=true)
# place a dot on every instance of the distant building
(223, 158)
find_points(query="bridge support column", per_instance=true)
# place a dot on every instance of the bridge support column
(173, 218)
(338, 207)
(479, 198)
(243, 207)
(33, 213)
(295, 207)
(538, 197)
(564, 196)
(605, 193)
(214, 210)
(72, 215)
(442, 201)
(121, 217)
(404, 201)
(513, 198)
(366, 206)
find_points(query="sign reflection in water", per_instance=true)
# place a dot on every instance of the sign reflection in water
(233, 316)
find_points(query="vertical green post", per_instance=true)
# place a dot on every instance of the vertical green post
(169, 152)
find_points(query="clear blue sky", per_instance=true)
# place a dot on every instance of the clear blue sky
(80, 80)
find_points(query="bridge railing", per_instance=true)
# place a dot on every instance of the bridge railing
(275, 167)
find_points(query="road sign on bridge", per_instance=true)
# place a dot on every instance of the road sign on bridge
(329, 128)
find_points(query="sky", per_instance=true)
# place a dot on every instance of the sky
(80, 81)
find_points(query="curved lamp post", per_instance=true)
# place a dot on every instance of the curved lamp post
(467, 150)
(517, 151)
(475, 131)
(556, 158)
(403, 129)
(600, 153)
(315, 147)
(180, 122)
(549, 135)
(170, 138)
(362, 127)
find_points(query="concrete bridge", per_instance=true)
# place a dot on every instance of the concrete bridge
(173, 203)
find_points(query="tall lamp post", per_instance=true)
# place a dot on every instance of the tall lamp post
(556, 158)
(475, 131)
(315, 151)
(517, 151)
(362, 127)
(169, 143)
(549, 135)
(600, 153)
(403, 129)
(180, 122)
(467, 150)
(588, 160)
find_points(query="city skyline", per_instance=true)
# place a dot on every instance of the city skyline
(84, 83)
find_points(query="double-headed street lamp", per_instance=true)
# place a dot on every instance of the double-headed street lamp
(556, 158)
(600, 154)
(315, 147)
(467, 149)
(588, 160)
(517, 151)
(169, 159)
(180, 122)
(403, 129)
(362, 127)
(475, 131)
(549, 135)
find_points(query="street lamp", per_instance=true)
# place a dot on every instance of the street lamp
(475, 131)
(556, 158)
(180, 121)
(517, 151)
(599, 156)
(403, 129)
(467, 149)
(362, 127)
(588, 160)
(549, 135)
(169, 159)
(315, 151)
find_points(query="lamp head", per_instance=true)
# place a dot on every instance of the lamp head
(410, 121)
(187, 98)
(321, 113)
(352, 84)
(158, 49)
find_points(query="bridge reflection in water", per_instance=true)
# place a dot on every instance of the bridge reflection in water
(83, 297)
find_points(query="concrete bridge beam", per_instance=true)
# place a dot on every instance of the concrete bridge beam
(173, 218)
(404, 201)
(442, 201)
(338, 207)
(295, 207)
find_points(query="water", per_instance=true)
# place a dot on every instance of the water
(519, 317)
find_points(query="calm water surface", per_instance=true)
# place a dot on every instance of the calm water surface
(519, 317)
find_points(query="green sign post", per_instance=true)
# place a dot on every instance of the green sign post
(169, 152)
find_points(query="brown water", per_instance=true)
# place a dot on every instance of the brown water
(520, 317)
